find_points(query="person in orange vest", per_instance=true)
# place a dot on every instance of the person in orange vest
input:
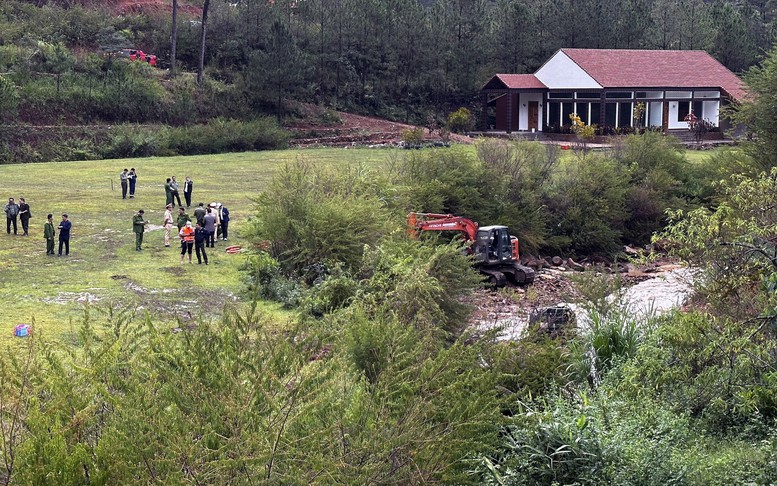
(187, 240)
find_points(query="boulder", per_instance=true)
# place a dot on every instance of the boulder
(556, 261)
(574, 265)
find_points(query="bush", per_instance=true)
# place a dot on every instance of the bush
(460, 121)
(316, 216)
(587, 206)
(220, 135)
(412, 137)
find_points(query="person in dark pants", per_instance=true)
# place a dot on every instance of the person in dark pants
(199, 243)
(224, 222)
(24, 216)
(182, 218)
(168, 192)
(174, 191)
(133, 177)
(209, 223)
(49, 233)
(187, 240)
(64, 235)
(11, 212)
(188, 186)
(139, 226)
(124, 178)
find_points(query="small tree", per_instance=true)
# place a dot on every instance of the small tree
(585, 133)
(460, 120)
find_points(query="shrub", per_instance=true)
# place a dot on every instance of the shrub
(220, 135)
(460, 121)
(412, 137)
(316, 216)
(586, 206)
(125, 141)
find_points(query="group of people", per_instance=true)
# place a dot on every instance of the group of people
(172, 193)
(19, 211)
(210, 223)
(128, 178)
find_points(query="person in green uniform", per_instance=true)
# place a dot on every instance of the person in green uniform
(139, 226)
(49, 233)
(168, 192)
(182, 218)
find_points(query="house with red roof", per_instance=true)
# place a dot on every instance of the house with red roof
(615, 89)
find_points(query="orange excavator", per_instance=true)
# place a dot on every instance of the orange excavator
(493, 248)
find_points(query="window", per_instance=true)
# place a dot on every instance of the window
(567, 109)
(624, 115)
(582, 111)
(554, 113)
(595, 116)
(587, 96)
(618, 94)
(609, 114)
(561, 95)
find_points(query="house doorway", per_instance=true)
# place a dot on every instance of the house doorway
(533, 115)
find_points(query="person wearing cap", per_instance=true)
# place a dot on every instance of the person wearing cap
(139, 226)
(64, 234)
(182, 218)
(167, 222)
(187, 240)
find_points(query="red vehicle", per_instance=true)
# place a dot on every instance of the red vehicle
(493, 248)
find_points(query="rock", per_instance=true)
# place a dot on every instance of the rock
(556, 261)
(629, 250)
(574, 265)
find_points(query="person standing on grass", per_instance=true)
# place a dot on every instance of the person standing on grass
(133, 177)
(199, 214)
(188, 186)
(182, 219)
(64, 234)
(124, 178)
(139, 226)
(49, 233)
(224, 213)
(187, 240)
(210, 227)
(174, 190)
(24, 216)
(167, 222)
(168, 192)
(11, 212)
(200, 236)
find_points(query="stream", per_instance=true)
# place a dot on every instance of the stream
(668, 290)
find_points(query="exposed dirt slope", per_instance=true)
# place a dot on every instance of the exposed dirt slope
(320, 127)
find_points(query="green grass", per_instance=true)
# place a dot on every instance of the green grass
(103, 266)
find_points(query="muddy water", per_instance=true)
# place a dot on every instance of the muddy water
(669, 289)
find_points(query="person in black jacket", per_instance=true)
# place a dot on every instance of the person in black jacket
(200, 236)
(188, 185)
(224, 222)
(24, 216)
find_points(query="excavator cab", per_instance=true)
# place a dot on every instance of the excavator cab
(493, 245)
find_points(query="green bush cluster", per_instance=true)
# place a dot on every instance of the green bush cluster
(244, 400)
(29, 144)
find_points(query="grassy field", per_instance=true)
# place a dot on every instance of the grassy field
(103, 267)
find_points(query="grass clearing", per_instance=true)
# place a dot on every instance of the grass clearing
(103, 267)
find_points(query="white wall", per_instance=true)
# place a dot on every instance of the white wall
(523, 111)
(560, 72)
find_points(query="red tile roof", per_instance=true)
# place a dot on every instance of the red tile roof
(633, 68)
(521, 81)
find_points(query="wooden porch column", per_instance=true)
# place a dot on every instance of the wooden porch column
(484, 112)
(509, 111)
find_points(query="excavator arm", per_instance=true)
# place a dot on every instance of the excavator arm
(418, 222)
